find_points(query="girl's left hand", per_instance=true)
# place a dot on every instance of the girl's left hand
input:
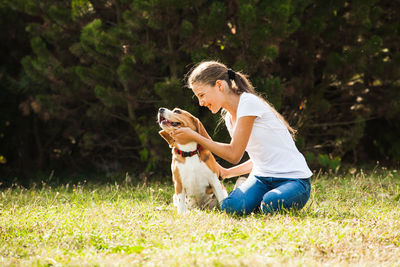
(184, 135)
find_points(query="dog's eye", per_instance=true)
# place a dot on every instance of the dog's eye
(177, 111)
(175, 123)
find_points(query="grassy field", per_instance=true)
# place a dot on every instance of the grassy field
(352, 219)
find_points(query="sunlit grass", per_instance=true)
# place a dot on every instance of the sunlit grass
(351, 219)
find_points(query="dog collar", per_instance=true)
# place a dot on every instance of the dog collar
(190, 153)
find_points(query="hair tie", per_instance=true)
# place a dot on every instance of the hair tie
(231, 74)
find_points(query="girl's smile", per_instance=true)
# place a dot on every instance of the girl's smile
(216, 97)
(208, 96)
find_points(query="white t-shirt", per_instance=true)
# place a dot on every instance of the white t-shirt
(271, 147)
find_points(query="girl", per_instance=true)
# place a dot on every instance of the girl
(279, 175)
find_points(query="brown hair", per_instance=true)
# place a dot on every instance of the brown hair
(208, 72)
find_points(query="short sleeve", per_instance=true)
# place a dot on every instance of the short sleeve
(251, 105)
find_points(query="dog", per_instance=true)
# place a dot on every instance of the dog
(194, 169)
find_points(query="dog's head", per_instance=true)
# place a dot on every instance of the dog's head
(170, 120)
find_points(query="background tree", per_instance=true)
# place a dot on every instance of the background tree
(16, 148)
(344, 61)
(94, 74)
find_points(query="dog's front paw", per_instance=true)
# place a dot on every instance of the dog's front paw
(181, 210)
(175, 200)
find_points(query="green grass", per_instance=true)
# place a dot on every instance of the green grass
(352, 219)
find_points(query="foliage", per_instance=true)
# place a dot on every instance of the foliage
(94, 74)
(326, 162)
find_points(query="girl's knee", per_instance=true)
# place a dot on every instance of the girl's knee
(269, 205)
(291, 196)
(233, 206)
(272, 206)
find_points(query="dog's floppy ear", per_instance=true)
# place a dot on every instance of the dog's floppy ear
(167, 138)
(200, 128)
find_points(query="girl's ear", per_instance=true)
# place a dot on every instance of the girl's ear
(167, 138)
(219, 85)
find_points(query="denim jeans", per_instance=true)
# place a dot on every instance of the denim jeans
(269, 194)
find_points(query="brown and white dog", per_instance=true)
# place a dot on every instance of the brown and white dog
(194, 169)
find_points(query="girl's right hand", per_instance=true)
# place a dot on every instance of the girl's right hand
(184, 135)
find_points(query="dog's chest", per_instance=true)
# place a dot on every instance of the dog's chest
(193, 171)
(195, 176)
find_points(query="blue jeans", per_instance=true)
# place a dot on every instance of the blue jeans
(270, 194)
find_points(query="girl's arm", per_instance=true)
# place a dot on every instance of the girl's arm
(238, 170)
(232, 152)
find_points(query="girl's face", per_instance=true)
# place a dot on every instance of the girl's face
(209, 96)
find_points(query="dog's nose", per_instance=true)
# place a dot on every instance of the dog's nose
(161, 110)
